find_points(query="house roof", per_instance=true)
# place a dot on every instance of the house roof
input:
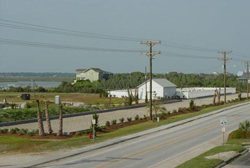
(243, 76)
(94, 69)
(162, 82)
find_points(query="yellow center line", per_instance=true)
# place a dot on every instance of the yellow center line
(163, 144)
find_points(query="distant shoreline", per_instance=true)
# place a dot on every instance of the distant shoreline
(41, 79)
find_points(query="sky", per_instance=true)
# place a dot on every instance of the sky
(191, 34)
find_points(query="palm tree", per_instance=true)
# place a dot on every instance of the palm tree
(39, 120)
(245, 126)
(60, 131)
(47, 117)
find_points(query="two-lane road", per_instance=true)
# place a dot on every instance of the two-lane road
(161, 149)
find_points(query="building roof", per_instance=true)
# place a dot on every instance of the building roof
(162, 82)
(243, 76)
(94, 69)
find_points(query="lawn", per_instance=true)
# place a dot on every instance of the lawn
(201, 161)
(10, 144)
(71, 97)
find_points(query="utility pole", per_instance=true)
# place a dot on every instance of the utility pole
(247, 64)
(146, 91)
(225, 59)
(150, 54)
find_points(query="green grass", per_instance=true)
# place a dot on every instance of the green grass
(71, 97)
(201, 161)
(9, 144)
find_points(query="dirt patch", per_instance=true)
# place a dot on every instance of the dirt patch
(223, 155)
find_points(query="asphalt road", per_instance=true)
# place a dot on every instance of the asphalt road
(160, 149)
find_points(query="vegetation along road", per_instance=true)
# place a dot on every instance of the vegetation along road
(167, 148)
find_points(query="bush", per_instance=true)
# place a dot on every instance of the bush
(237, 134)
(121, 120)
(239, 96)
(107, 124)
(145, 117)
(191, 105)
(31, 133)
(96, 117)
(22, 131)
(14, 130)
(180, 109)
(174, 111)
(137, 117)
(4, 131)
(78, 133)
(113, 122)
(129, 119)
(168, 113)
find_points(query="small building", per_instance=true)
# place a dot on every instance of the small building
(243, 77)
(92, 74)
(161, 88)
(199, 92)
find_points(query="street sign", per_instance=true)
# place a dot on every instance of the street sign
(223, 129)
(223, 121)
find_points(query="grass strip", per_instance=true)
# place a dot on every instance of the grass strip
(15, 144)
(201, 161)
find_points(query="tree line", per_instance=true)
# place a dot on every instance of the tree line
(132, 80)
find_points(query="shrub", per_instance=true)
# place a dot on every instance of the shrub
(145, 117)
(191, 105)
(168, 113)
(237, 134)
(137, 117)
(78, 133)
(31, 133)
(180, 109)
(121, 120)
(96, 117)
(22, 131)
(129, 119)
(4, 131)
(174, 111)
(239, 96)
(113, 122)
(14, 130)
(107, 123)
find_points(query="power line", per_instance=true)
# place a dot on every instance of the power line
(60, 31)
(47, 29)
(173, 54)
(58, 46)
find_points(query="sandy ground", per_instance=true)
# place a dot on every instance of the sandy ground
(83, 122)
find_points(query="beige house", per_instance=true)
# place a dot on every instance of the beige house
(92, 74)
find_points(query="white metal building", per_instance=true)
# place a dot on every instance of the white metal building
(197, 92)
(160, 88)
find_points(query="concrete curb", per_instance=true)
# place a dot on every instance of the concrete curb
(79, 114)
(124, 138)
(231, 159)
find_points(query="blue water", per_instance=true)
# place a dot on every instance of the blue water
(6, 85)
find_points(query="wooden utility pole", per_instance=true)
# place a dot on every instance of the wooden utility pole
(247, 64)
(225, 59)
(150, 54)
(146, 91)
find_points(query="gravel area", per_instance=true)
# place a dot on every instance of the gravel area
(83, 122)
